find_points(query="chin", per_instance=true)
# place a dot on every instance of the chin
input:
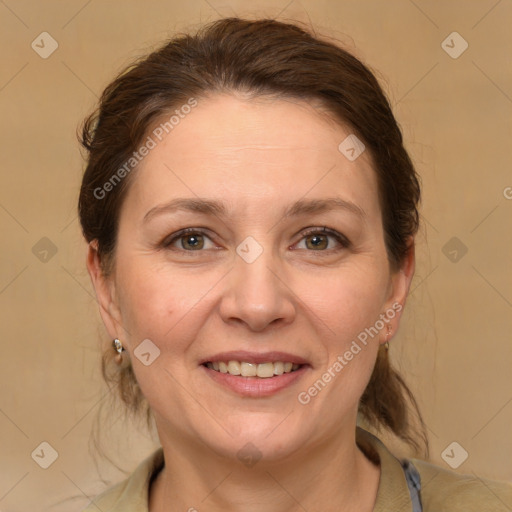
(260, 437)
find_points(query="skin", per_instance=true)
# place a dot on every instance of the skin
(258, 157)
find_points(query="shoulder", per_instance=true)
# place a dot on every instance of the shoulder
(443, 490)
(130, 495)
(108, 499)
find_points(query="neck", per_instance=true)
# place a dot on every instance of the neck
(335, 475)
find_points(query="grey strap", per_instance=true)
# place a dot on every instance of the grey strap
(414, 483)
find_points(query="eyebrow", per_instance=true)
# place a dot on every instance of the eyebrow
(217, 208)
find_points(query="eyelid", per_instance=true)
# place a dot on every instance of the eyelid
(341, 239)
(168, 240)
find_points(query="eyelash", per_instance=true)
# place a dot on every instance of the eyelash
(341, 239)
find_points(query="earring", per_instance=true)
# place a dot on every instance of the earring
(118, 347)
(388, 334)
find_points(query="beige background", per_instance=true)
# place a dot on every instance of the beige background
(454, 346)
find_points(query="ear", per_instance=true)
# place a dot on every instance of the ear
(105, 291)
(399, 286)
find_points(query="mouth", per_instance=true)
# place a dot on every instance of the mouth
(245, 369)
(256, 375)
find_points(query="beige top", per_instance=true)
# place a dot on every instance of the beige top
(442, 490)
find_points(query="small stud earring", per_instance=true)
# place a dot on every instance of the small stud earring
(118, 347)
(386, 344)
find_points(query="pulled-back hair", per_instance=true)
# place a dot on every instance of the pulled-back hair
(258, 58)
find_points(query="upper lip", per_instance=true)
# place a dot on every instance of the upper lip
(255, 357)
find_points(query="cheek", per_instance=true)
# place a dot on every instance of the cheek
(345, 313)
(166, 307)
(346, 300)
(159, 304)
(345, 308)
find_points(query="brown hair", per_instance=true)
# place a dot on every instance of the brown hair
(260, 58)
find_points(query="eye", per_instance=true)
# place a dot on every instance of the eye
(189, 240)
(317, 239)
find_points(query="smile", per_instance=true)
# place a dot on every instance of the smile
(244, 369)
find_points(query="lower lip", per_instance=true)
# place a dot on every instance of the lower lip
(256, 386)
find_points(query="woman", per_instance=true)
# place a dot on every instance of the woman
(251, 211)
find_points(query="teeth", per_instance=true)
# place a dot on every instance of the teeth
(262, 370)
(234, 368)
(278, 368)
(265, 370)
(248, 369)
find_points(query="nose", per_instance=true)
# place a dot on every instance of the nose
(256, 294)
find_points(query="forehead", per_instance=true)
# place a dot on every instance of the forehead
(262, 149)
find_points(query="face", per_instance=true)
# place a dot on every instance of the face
(283, 261)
